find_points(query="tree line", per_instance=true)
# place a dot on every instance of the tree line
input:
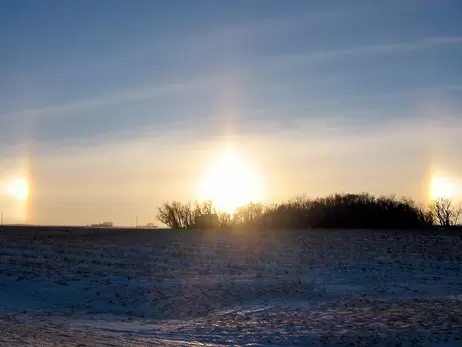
(349, 211)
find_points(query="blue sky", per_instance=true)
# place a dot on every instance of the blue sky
(321, 96)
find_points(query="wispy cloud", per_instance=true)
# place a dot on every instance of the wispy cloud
(355, 51)
(349, 99)
(106, 100)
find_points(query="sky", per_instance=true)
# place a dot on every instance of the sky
(109, 108)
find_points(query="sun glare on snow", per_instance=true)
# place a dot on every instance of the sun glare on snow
(18, 189)
(229, 183)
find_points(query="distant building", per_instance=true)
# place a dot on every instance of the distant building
(207, 221)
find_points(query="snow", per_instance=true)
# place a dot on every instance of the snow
(210, 288)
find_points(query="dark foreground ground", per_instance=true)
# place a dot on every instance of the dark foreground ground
(95, 287)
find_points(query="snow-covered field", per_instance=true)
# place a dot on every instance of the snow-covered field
(259, 288)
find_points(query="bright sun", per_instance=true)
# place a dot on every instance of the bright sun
(441, 187)
(18, 189)
(229, 183)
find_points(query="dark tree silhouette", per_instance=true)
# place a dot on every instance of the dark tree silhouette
(444, 212)
(224, 220)
(360, 211)
(176, 215)
(102, 225)
(248, 215)
(206, 207)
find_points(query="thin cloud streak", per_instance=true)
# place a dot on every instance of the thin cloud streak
(113, 99)
(268, 62)
(312, 57)
(256, 119)
(402, 93)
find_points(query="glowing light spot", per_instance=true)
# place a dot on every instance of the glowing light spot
(229, 183)
(18, 189)
(441, 187)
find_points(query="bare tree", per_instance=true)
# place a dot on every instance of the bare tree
(182, 216)
(224, 219)
(250, 214)
(102, 225)
(444, 212)
(204, 207)
(176, 215)
(168, 214)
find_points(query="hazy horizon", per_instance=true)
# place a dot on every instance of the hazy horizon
(107, 109)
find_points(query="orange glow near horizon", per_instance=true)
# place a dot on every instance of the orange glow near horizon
(18, 189)
(442, 187)
(15, 200)
(229, 183)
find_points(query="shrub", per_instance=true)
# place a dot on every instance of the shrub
(333, 211)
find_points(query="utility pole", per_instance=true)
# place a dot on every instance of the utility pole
(2, 217)
(136, 225)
